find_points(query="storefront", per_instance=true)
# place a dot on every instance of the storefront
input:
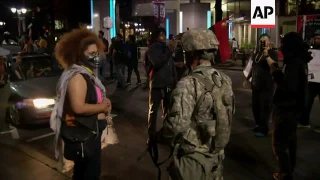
(178, 18)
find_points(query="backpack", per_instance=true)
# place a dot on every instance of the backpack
(205, 162)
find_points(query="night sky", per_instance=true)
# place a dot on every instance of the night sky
(72, 11)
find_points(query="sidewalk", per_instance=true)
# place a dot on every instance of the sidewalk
(230, 65)
(17, 165)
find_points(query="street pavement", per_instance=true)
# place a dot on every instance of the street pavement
(247, 157)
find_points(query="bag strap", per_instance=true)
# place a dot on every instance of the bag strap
(154, 153)
(208, 85)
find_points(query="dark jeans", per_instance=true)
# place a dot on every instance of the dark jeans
(234, 54)
(120, 68)
(111, 68)
(180, 72)
(130, 69)
(284, 138)
(313, 91)
(262, 108)
(156, 97)
(90, 168)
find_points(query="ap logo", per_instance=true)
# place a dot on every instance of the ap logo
(263, 14)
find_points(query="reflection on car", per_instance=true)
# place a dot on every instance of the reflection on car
(33, 88)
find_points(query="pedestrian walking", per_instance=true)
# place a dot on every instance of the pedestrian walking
(133, 60)
(120, 59)
(235, 48)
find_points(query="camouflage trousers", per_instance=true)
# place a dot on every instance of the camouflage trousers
(196, 166)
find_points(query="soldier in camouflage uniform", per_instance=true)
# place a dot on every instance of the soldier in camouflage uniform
(198, 124)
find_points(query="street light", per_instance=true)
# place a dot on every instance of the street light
(21, 18)
(19, 11)
(13, 10)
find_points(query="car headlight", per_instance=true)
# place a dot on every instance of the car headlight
(43, 103)
(39, 103)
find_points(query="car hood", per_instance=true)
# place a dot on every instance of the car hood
(44, 87)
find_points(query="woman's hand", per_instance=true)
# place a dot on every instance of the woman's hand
(106, 105)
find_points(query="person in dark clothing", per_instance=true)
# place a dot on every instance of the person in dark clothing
(289, 100)
(262, 87)
(133, 60)
(179, 60)
(119, 60)
(146, 86)
(312, 93)
(111, 58)
(103, 65)
(160, 67)
(5, 93)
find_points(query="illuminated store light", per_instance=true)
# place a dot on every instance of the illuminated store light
(167, 28)
(180, 21)
(209, 19)
(91, 11)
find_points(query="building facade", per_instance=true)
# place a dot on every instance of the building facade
(179, 17)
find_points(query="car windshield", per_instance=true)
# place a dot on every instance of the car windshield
(34, 67)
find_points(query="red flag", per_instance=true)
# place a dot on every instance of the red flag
(221, 31)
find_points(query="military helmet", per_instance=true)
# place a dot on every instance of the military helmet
(199, 39)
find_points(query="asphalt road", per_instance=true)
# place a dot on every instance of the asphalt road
(247, 157)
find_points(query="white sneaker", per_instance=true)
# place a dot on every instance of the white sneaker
(303, 126)
(317, 129)
(6, 131)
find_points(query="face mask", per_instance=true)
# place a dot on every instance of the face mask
(91, 59)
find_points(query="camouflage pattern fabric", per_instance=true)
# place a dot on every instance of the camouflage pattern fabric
(183, 120)
(199, 39)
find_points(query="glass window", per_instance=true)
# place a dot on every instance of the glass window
(309, 7)
(230, 30)
(58, 24)
(291, 8)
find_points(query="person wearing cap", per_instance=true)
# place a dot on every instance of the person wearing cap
(312, 92)
(198, 123)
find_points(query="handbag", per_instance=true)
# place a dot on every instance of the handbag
(80, 141)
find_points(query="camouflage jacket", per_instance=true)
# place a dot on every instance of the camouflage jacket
(180, 115)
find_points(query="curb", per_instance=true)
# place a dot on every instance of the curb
(229, 68)
(34, 154)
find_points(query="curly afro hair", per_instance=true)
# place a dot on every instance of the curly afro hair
(70, 48)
